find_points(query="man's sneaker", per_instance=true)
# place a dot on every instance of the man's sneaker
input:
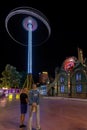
(21, 126)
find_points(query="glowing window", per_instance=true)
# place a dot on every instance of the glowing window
(61, 79)
(78, 77)
(62, 88)
(79, 88)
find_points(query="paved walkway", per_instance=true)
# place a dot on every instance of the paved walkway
(56, 114)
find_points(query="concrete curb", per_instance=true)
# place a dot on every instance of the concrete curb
(77, 99)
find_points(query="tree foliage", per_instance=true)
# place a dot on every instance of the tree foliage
(10, 77)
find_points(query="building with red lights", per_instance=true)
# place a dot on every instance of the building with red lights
(71, 78)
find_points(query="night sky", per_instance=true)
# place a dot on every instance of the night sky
(68, 32)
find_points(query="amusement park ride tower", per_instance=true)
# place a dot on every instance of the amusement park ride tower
(31, 19)
(30, 25)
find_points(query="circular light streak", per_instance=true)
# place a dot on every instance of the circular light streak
(31, 12)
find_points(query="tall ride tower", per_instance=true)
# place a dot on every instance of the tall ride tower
(33, 21)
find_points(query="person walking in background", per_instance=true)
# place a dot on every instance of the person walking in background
(34, 98)
(23, 106)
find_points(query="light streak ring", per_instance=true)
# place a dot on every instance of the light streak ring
(28, 11)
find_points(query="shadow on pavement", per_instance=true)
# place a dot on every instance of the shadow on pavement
(26, 129)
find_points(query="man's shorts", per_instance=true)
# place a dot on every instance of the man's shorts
(23, 108)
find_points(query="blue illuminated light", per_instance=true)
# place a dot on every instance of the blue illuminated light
(30, 49)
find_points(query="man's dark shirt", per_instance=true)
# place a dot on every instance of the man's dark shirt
(23, 97)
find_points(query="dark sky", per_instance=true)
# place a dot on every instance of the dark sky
(68, 31)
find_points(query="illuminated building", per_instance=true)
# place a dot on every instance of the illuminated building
(71, 79)
(43, 77)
